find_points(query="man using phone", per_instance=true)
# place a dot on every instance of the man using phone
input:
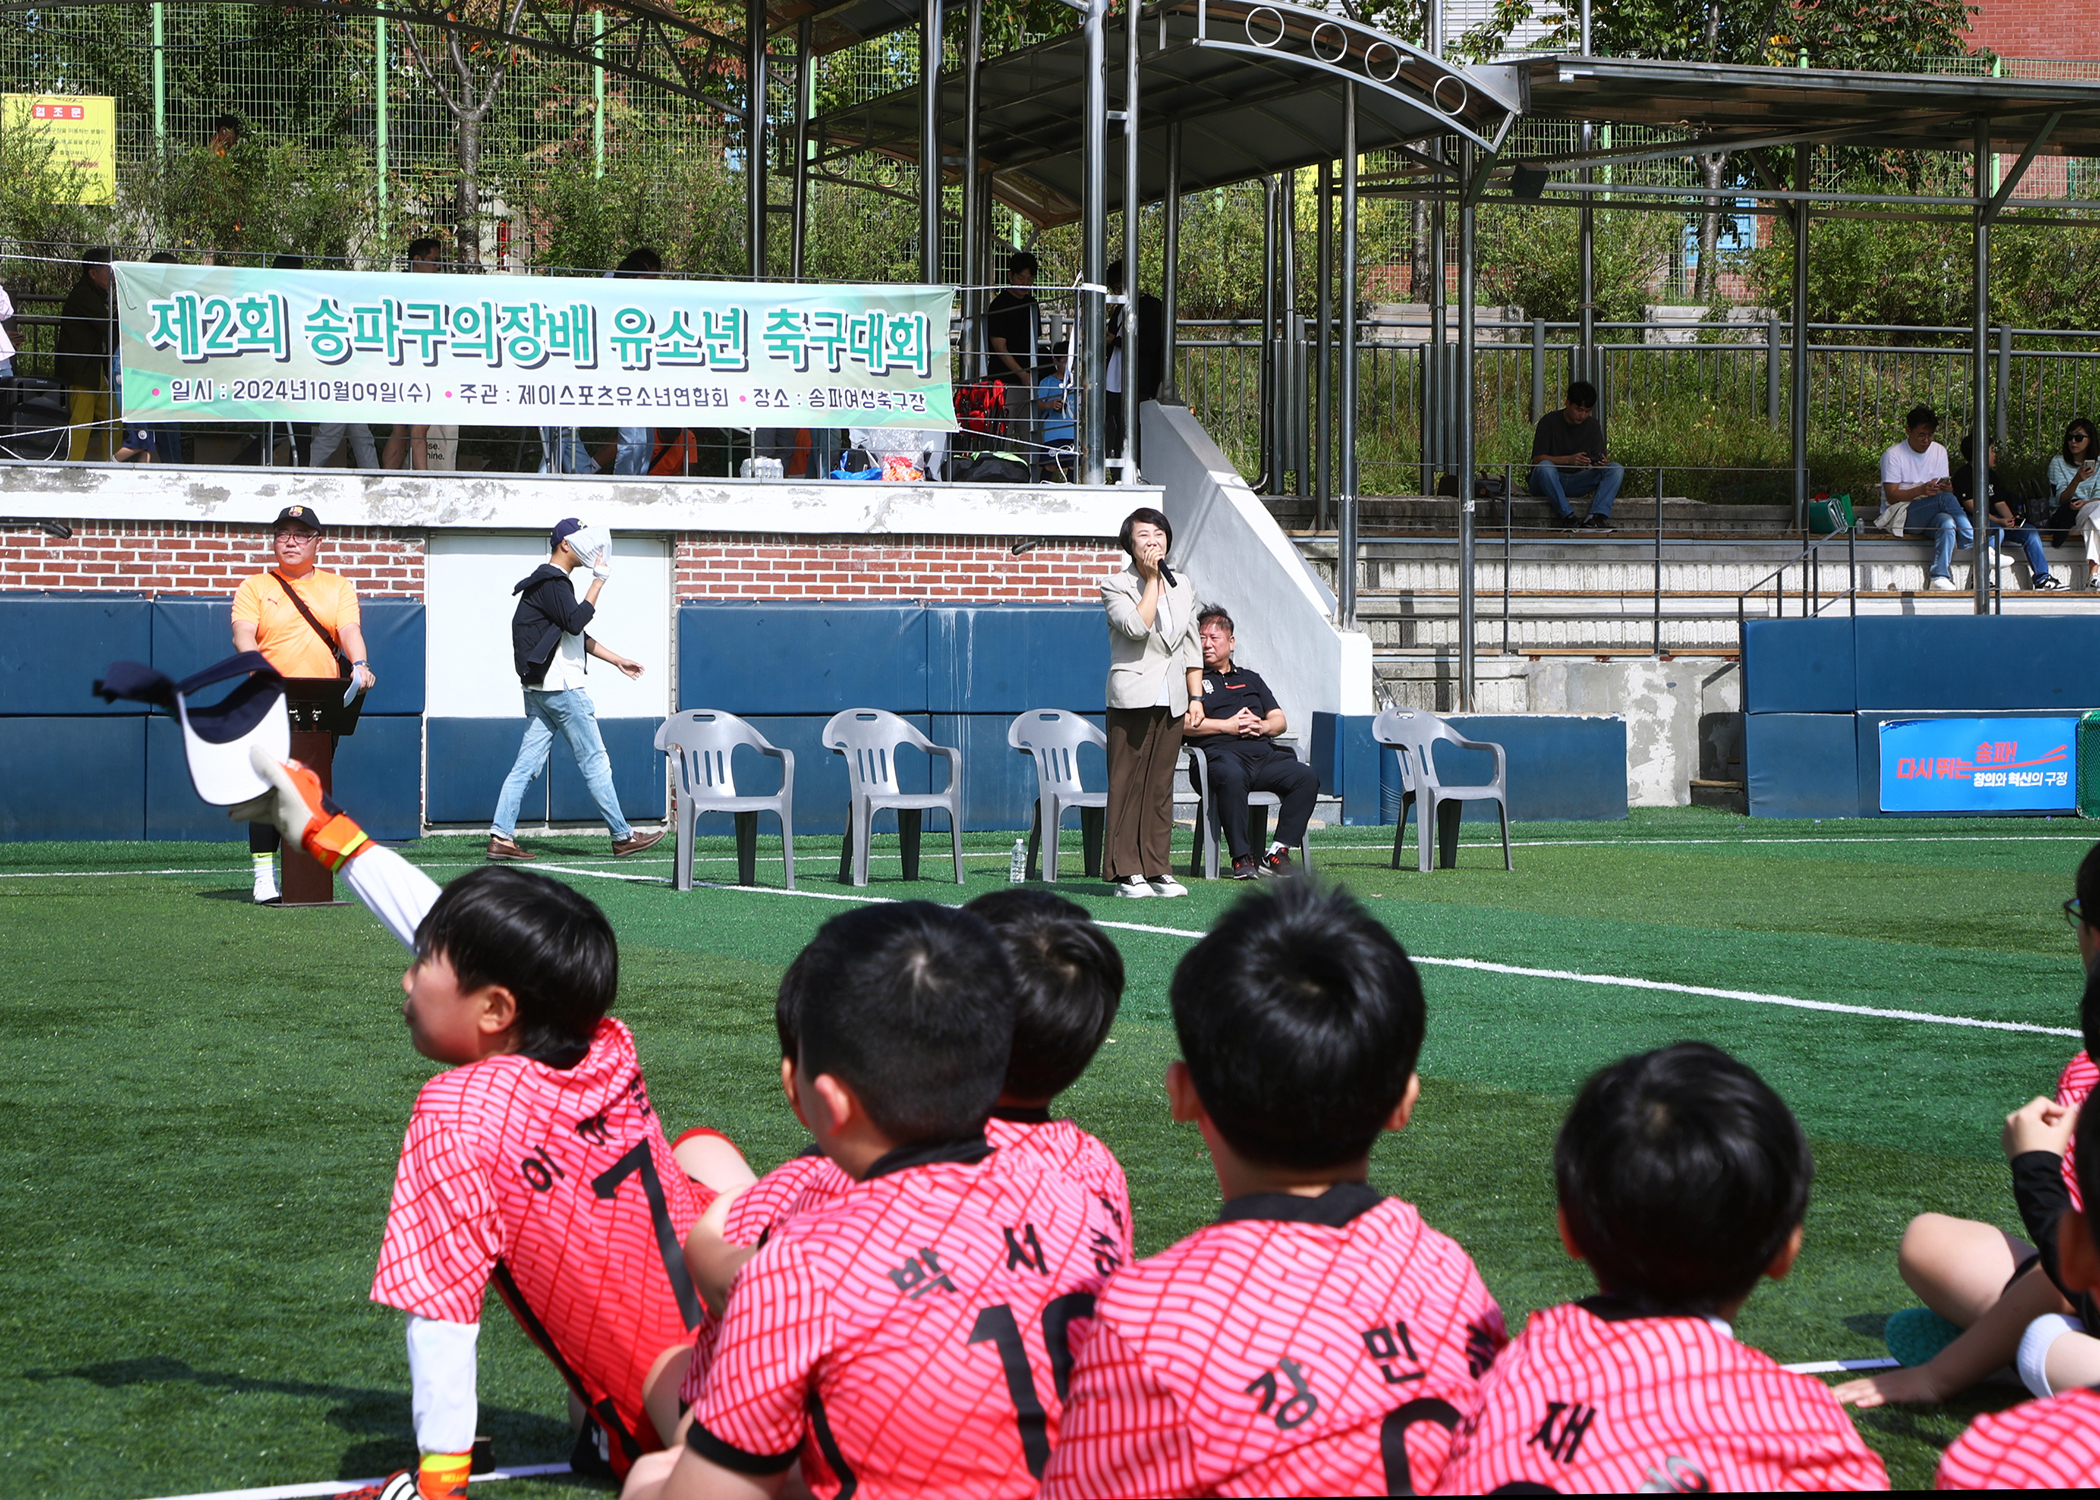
(1567, 459)
(552, 653)
(1914, 473)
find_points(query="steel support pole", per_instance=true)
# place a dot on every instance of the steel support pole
(597, 93)
(379, 140)
(1271, 470)
(1170, 268)
(1132, 279)
(1980, 396)
(1464, 404)
(805, 98)
(930, 142)
(160, 78)
(1797, 415)
(2004, 382)
(1093, 293)
(973, 186)
(1586, 252)
(1437, 386)
(755, 134)
(1293, 383)
(1772, 371)
(1323, 382)
(1345, 554)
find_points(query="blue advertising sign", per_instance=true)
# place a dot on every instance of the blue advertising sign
(1978, 765)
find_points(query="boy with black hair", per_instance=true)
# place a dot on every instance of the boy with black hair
(535, 1162)
(1320, 1338)
(2053, 1443)
(910, 1336)
(1683, 1181)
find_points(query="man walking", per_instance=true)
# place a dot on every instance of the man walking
(551, 648)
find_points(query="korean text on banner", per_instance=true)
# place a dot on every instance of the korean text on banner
(1978, 765)
(227, 343)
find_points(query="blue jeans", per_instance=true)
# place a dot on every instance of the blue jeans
(637, 447)
(570, 715)
(1950, 528)
(561, 452)
(1557, 484)
(2030, 543)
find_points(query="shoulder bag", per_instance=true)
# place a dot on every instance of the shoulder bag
(342, 662)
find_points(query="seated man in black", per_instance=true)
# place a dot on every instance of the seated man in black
(1238, 737)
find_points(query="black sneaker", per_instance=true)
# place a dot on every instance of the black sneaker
(1595, 522)
(1246, 869)
(1277, 862)
(1568, 522)
(591, 1457)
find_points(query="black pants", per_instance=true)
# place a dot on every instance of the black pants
(1234, 773)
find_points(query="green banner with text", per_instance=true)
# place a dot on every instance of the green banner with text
(238, 344)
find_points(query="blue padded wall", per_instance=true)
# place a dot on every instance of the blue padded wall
(792, 658)
(468, 759)
(999, 788)
(1561, 768)
(638, 774)
(378, 777)
(1978, 663)
(54, 646)
(192, 632)
(1346, 757)
(1801, 666)
(52, 763)
(820, 774)
(1004, 658)
(1801, 765)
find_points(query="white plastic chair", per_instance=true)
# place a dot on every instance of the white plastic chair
(1052, 737)
(1192, 784)
(868, 738)
(1414, 733)
(702, 744)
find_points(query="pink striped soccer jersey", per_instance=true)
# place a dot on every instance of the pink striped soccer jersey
(2072, 1085)
(1299, 1346)
(1594, 1398)
(1069, 1152)
(560, 1186)
(910, 1338)
(2043, 1445)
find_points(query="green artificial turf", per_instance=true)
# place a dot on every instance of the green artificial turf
(206, 1100)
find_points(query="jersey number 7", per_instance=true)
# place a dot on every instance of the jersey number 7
(997, 1326)
(607, 1184)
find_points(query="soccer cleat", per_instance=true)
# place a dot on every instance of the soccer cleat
(635, 843)
(503, 848)
(1166, 885)
(1916, 1334)
(1248, 868)
(1133, 885)
(301, 812)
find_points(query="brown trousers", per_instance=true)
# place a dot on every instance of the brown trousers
(1143, 744)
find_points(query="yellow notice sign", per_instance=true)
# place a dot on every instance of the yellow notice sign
(82, 129)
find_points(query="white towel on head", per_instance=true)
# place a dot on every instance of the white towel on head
(593, 543)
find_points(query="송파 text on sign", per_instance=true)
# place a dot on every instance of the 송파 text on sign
(1979, 765)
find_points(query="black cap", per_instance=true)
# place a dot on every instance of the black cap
(297, 515)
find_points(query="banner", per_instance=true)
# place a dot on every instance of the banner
(82, 130)
(1978, 765)
(233, 344)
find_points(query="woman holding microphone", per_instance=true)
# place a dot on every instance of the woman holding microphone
(1155, 667)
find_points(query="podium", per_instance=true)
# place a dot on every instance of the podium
(319, 719)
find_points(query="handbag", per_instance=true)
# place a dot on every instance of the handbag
(1830, 514)
(342, 662)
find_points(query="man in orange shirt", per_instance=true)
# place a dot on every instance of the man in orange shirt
(267, 618)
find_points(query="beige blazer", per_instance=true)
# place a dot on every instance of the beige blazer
(1138, 654)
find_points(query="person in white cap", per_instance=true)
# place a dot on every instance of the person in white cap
(552, 653)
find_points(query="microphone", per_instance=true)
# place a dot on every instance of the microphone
(1166, 573)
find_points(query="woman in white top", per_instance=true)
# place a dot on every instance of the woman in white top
(1155, 666)
(2074, 479)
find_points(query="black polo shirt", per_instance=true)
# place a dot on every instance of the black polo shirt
(1225, 694)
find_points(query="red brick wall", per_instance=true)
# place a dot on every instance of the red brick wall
(905, 567)
(2033, 28)
(198, 557)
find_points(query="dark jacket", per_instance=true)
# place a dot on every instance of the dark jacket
(548, 609)
(83, 336)
(2038, 1188)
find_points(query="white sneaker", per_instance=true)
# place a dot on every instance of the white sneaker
(1944, 585)
(1133, 885)
(1166, 885)
(265, 888)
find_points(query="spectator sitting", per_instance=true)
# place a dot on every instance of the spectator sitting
(1238, 737)
(1914, 473)
(1567, 458)
(2001, 516)
(2074, 482)
(1060, 431)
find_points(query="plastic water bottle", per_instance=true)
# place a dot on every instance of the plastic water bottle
(1017, 867)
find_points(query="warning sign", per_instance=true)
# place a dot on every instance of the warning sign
(82, 129)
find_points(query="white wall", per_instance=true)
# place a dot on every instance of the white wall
(468, 603)
(1239, 557)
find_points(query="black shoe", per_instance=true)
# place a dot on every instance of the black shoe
(1277, 862)
(591, 1455)
(1246, 869)
(1568, 522)
(1595, 522)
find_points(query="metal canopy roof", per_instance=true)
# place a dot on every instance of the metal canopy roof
(835, 24)
(1728, 107)
(1256, 86)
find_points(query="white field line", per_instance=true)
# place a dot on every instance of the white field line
(1840, 1366)
(1613, 981)
(340, 1486)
